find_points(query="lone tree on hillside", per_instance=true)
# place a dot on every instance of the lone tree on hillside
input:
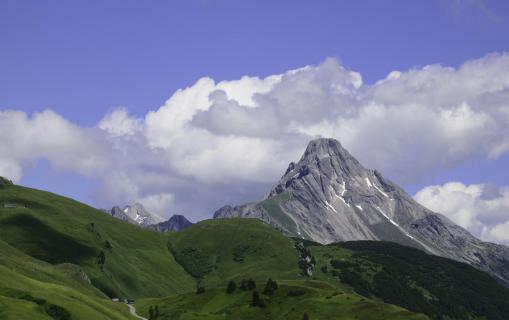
(231, 287)
(270, 287)
(200, 290)
(257, 301)
(101, 259)
(153, 312)
(107, 245)
(247, 284)
(243, 285)
(251, 284)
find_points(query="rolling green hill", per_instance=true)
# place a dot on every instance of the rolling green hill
(404, 276)
(214, 251)
(121, 259)
(291, 301)
(60, 260)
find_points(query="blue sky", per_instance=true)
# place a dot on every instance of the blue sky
(84, 59)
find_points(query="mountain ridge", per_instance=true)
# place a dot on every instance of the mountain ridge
(177, 222)
(328, 196)
(80, 257)
(137, 214)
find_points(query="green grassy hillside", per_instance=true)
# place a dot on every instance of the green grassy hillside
(33, 289)
(120, 259)
(291, 301)
(61, 260)
(214, 251)
(438, 287)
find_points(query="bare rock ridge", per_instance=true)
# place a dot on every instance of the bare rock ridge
(120, 214)
(135, 214)
(138, 215)
(328, 196)
(176, 223)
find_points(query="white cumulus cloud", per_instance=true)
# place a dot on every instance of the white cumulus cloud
(214, 143)
(479, 208)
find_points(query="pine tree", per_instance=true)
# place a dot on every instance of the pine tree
(251, 284)
(107, 245)
(101, 258)
(270, 287)
(243, 285)
(257, 301)
(231, 287)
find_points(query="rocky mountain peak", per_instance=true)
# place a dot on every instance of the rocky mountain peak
(324, 146)
(143, 217)
(326, 163)
(135, 214)
(328, 196)
(327, 148)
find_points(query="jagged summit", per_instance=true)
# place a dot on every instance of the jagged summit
(136, 214)
(328, 196)
(322, 156)
(324, 147)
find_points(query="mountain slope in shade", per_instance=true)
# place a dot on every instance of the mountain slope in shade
(177, 222)
(328, 196)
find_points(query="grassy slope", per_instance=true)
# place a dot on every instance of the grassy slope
(217, 251)
(67, 239)
(234, 249)
(319, 300)
(24, 279)
(60, 230)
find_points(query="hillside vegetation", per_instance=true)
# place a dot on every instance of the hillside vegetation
(61, 260)
(121, 259)
(438, 287)
(293, 300)
(214, 251)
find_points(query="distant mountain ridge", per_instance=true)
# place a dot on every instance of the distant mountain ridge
(177, 222)
(328, 196)
(136, 214)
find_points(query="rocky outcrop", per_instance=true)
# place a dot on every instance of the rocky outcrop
(328, 196)
(176, 223)
(135, 214)
(119, 214)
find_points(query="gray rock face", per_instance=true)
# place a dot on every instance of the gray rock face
(176, 223)
(116, 212)
(328, 196)
(135, 214)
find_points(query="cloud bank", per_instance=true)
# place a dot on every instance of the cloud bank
(479, 208)
(214, 143)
